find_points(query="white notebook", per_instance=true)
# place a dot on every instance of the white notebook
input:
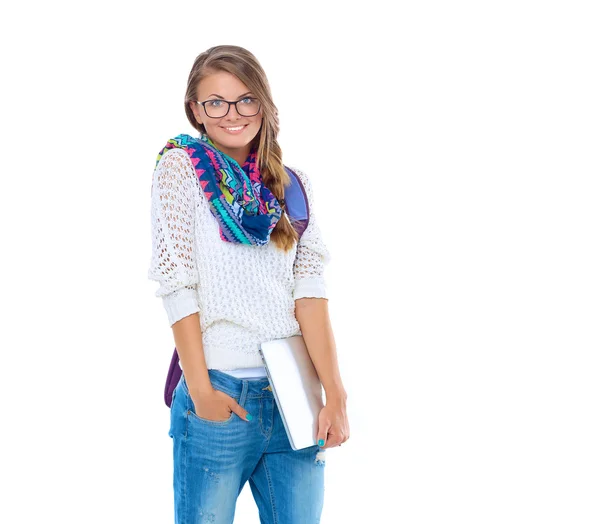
(296, 388)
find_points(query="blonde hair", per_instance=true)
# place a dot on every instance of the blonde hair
(244, 65)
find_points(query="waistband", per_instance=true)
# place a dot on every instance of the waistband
(233, 386)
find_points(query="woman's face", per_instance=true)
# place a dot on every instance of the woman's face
(225, 86)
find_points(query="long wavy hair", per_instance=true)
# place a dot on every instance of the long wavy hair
(244, 65)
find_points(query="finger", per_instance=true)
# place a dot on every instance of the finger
(334, 440)
(322, 434)
(240, 411)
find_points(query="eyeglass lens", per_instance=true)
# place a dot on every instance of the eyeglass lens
(245, 107)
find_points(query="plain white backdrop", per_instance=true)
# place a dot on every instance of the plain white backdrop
(453, 150)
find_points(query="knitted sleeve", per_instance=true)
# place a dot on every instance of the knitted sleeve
(312, 254)
(173, 262)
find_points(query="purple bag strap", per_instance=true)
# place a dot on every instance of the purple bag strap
(295, 202)
(173, 376)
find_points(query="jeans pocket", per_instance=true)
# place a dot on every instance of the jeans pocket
(191, 412)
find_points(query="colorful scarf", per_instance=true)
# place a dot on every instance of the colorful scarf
(244, 207)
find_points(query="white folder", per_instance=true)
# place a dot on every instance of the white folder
(296, 387)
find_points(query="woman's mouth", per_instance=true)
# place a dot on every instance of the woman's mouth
(235, 130)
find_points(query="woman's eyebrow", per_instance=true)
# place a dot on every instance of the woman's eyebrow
(215, 94)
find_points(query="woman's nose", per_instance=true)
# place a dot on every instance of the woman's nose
(233, 113)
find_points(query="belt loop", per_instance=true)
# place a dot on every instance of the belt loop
(244, 391)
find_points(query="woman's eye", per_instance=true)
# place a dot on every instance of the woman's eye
(214, 103)
(246, 100)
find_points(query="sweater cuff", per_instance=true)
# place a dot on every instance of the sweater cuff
(310, 287)
(180, 304)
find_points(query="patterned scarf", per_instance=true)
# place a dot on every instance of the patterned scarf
(245, 209)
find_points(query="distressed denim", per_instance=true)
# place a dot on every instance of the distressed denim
(212, 460)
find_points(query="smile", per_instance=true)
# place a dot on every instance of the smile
(235, 130)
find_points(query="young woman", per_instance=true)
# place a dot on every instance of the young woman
(233, 274)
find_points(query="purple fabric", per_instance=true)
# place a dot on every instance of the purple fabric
(296, 203)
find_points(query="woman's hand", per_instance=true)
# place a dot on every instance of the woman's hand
(217, 406)
(333, 423)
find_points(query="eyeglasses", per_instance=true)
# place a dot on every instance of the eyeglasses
(217, 109)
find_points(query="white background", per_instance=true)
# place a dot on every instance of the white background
(453, 148)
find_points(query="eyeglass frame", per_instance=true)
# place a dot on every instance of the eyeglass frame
(229, 106)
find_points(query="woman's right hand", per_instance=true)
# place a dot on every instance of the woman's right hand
(217, 406)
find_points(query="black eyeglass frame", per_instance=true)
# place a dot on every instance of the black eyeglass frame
(229, 106)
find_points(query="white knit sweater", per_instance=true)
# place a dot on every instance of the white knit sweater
(245, 294)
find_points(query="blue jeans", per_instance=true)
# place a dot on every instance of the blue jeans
(212, 460)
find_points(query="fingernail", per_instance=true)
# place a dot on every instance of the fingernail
(248, 417)
(321, 442)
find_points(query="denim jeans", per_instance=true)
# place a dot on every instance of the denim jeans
(212, 460)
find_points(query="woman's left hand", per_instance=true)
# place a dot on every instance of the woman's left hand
(333, 424)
